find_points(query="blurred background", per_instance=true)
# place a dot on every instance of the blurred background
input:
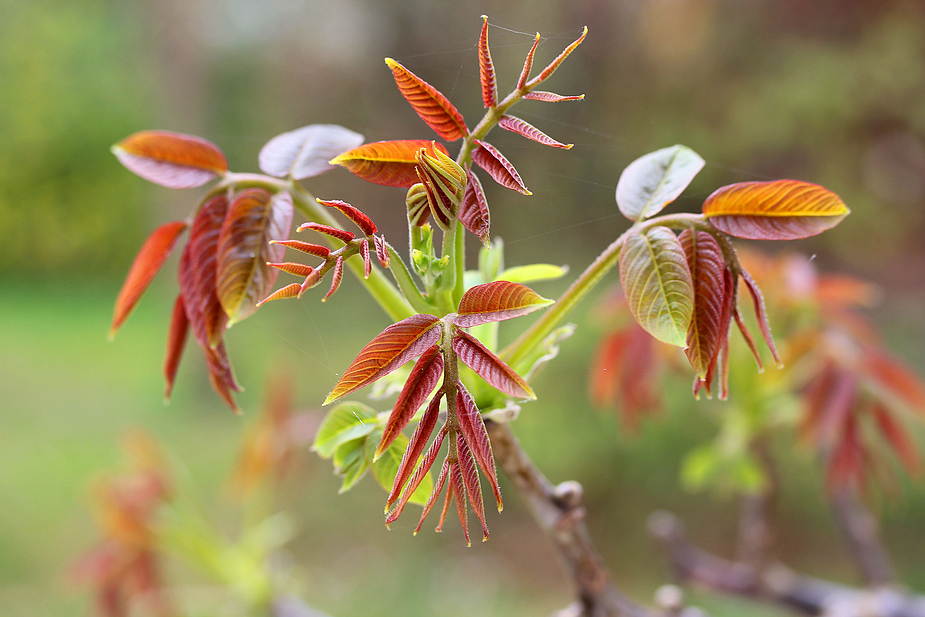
(831, 92)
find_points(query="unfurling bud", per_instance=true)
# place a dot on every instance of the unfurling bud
(416, 201)
(444, 183)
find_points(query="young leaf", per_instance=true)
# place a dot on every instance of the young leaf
(382, 251)
(761, 315)
(470, 482)
(356, 217)
(473, 430)
(305, 152)
(150, 258)
(255, 220)
(532, 273)
(340, 234)
(221, 375)
(367, 262)
(176, 341)
(524, 129)
(657, 284)
(400, 496)
(551, 97)
(428, 103)
(423, 379)
(487, 68)
(528, 64)
(292, 267)
(343, 423)
(336, 277)
(413, 451)
(549, 70)
(653, 181)
(390, 163)
(289, 291)
(473, 212)
(456, 489)
(438, 486)
(497, 301)
(490, 367)
(197, 273)
(707, 329)
(397, 344)
(306, 247)
(778, 210)
(173, 160)
(498, 167)
(385, 470)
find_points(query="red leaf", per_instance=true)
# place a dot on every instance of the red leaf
(336, 278)
(390, 163)
(708, 329)
(521, 127)
(551, 97)
(778, 210)
(498, 167)
(895, 434)
(305, 152)
(339, 234)
(306, 247)
(490, 367)
(382, 253)
(416, 445)
(173, 160)
(496, 301)
(221, 375)
(419, 474)
(473, 429)
(289, 291)
(197, 273)
(428, 103)
(291, 267)
(438, 486)
(761, 315)
(176, 341)
(256, 219)
(528, 64)
(421, 382)
(397, 344)
(367, 262)
(487, 68)
(470, 481)
(894, 378)
(147, 263)
(625, 372)
(358, 218)
(549, 70)
(457, 489)
(748, 337)
(473, 212)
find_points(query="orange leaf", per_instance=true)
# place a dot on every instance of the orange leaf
(490, 367)
(487, 68)
(497, 301)
(176, 341)
(528, 64)
(390, 163)
(148, 262)
(397, 344)
(429, 103)
(778, 210)
(255, 220)
(488, 158)
(173, 160)
(549, 70)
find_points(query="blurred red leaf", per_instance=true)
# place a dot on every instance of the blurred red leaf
(497, 301)
(498, 167)
(198, 273)
(170, 159)
(147, 263)
(397, 344)
(491, 368)
(390, 163)
(625, 373)
(894, 379)
(255, 220)
(896, 436)
(429, 103)
(176, 341)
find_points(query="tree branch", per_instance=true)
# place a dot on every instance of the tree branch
(861, 533)
(777, 584)
(559, 513)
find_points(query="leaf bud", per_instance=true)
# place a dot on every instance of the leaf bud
(444, 183)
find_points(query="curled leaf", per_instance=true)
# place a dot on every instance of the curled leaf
(657, 284)
(778, 210)
(397, 344)
(497, 301)
(528, 64)
(487, 68)
(255, 220)
(305, 152)
(147, 263)
(499, 168)
(390, 163)
(429, 103)
(551, 97)
(358, 218)
(170, 159)
(336, 277)
(549, 70)
(653, 181)
(490, 367)
(761, 315)
(524, 129)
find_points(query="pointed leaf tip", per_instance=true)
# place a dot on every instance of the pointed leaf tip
(389, 163)
(171, 159)
(428, 103)
(497, 301)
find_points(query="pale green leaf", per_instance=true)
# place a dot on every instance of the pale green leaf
(533, 272)
(345, 422)
(655, 180)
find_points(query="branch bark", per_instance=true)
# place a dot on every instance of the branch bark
(777, 584)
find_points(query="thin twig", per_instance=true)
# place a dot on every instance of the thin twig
(861, 532)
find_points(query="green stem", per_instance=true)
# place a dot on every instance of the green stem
(526, 343)
(379, 287)
(406, 283)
